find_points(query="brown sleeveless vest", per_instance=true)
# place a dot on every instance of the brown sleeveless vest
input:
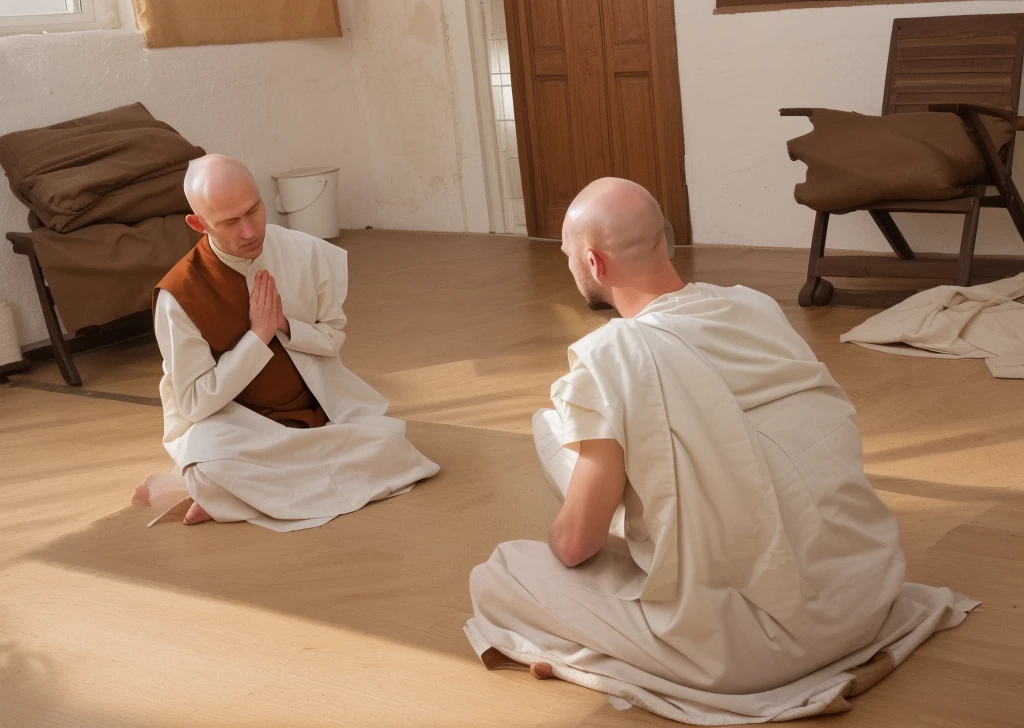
(216, 299)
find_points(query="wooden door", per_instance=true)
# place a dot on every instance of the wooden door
(595, 85)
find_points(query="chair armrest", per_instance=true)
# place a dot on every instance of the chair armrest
(964, 109)
(22, 243)
(796, 112)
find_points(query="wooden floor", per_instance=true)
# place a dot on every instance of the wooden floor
(104, 622)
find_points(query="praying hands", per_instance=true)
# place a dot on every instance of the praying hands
(266, 314)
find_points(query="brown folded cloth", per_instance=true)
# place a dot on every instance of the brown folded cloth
(102, 272)
(120, 165)
(855, 160)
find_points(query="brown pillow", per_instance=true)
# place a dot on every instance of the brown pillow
(854, 160)
(62, 171)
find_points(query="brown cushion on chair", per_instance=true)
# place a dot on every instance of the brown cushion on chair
(120, 165)
(855, 160)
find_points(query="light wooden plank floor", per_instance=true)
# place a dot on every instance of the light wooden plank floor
(104, 622)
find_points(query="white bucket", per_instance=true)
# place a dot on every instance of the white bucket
(309, 198)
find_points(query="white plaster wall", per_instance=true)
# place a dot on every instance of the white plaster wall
(737, 71)
(391, 103)
(416, 91)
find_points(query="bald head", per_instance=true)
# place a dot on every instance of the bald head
(616, 239)
(214, 180)
(622, 220)
(227, 204)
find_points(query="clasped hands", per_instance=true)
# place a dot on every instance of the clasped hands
(266, 314)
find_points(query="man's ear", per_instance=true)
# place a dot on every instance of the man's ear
(598, 266)
(195, 223)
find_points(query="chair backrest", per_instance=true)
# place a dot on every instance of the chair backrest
(965, 59)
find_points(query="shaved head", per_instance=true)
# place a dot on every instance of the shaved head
(213, 179)
(619, 218)
(615, 230)
(226, 204)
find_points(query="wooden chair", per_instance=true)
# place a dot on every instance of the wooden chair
(61, 347)
(968, 65)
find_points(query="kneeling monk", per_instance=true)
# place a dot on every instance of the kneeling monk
(262, 420)
(719, 556)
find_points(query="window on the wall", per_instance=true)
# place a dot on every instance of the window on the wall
(37, 7)
(727, 6)
(51, 16)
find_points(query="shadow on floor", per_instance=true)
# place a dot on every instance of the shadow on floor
(398, 568)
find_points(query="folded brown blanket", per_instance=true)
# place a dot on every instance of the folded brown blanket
(855, 160)
(120, 165)
(102, 272)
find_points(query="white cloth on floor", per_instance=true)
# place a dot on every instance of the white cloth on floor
(239, 465)
(954, 322)
(757, 564)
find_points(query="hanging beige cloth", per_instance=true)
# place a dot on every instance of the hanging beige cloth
(170, 23)
(954, 322)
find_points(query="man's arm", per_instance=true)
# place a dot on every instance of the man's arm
(326, 335)
(595, 491)
(203, 386)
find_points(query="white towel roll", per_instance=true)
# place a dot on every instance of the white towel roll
(9, 349)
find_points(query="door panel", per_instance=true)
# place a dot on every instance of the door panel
(552, 113)
(596, 87)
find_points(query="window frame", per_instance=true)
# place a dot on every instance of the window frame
(87, 17)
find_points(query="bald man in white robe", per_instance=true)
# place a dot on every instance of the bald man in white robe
(719, 556)
(263, 421)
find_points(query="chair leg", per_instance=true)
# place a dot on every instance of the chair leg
(970, 235)
(892, 234)
(65, 364)
(1002, 173)
(816, 291)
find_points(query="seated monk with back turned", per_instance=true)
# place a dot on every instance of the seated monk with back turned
(263, 421)
(719, 556)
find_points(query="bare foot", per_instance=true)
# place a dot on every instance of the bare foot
(195, 515)
(542, 670)
(141, 497)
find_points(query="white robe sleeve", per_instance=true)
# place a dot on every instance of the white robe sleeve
(326, 335)
(201, 385)
(580, 422)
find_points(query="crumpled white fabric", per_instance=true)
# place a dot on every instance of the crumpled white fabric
(954, 322)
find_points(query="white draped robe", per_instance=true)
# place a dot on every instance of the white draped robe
(241, 466)
(750, 566)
